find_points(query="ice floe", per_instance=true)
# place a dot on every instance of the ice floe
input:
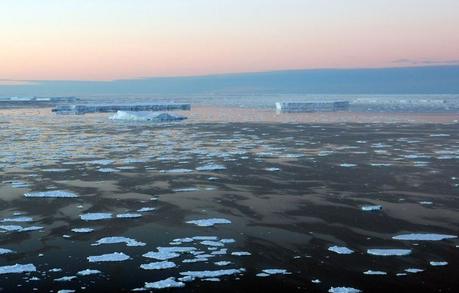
(167, 283)
(213, 274)
(18, 219)
(389, 252)
(241, 253)
(109, 257)
(378, 273)
(17, 269)
(82, 230)
(343, 290)
(95, 216)
(18, 228)
(51, 194)
(145, 209)
(65, 279)
(161, 265)
(413, 270)
(128, 216)
(340, 249)
(5, 251)
(88, 272)
(211, 167)
(117, 239)
(438, 263)
(423, 237)
(370, 208)
(209, 222)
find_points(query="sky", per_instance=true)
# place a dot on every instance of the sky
(121, 39)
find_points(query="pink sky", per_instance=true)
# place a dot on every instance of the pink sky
(103, 40)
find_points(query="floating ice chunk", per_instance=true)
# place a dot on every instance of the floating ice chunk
(347, 165)
(212, 243)
(272, 169)
(343, 290)
(108, 170)
(413, 270)
(17, 269)
(5, 251)
(18, 219)
(276, 272)
(101, 162)
(211, 167)
(426, 202)
(66, 291)
(128, 216)
(389, 252)
(340, 249)
(316, 281)
(189, 189)
(222, 251)
(193, 260)
(178, 249)
(370, 272)
(161, 255)
(17, 228)
(147, 116)
(241, 253)
(227, 240)
(82, 230)
(19, 184)
(51, 194)
(438, 263)
(423, 237)
(212, 274)
(199, 238)
(161, 265)
(174, 171)
(262, 275)
(222, 263)
(146, 209)
(115, 256)
(167, 283)
(370, 208)
(55, 270)
(65, 279)
(95, 216)
(380, 164)
(117, 239)
(88, 272)
(209, 222)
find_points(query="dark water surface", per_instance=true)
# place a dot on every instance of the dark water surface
(290, 191)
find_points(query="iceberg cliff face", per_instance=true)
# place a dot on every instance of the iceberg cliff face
(147, 116)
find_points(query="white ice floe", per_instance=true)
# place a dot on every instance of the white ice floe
(18, 219)
(213, 274)
(128, 216)
(193, 260)
(389, 252)
(109, 257)
(51, 194)
(413, 270)
(276, 272)
(438, 263)
(108, 170)
(96, 216)
(272, 169)
(161, 255)
(176, 171)
(189, 189)
(340, 249)
(370, 208)
(378, 273)
(426, 202)
(167, 283)
(65, 279)
(17, 269)
(5, 251)
(82, 230)
(18, 228)
(88, 272)
(101, 162)
(212, 243)
(161, 265)
(66, 291)
(145, 209)
(211, 167)
(347, 165)
(147, 116)
(343, 290)
(117, 239)
(209, 222)
(241, 253)
(222, 263)
(423, 237)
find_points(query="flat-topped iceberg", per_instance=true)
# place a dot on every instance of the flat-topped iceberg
(147, 116)
(423, 237)
(52, 194)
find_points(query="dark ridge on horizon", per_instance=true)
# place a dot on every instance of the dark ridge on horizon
(442, 79)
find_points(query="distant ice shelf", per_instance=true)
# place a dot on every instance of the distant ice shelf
(108, 108)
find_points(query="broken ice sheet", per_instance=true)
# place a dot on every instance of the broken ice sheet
(51, 194)
(343, 290)
(109, 257)
(340, 250)
(117, 239)
(370, 208)
(389, 252)
(209, 222)
(213, 274)
(17, 269)
(161, 265)
(423, 237)
(95, 216)
(167, 283)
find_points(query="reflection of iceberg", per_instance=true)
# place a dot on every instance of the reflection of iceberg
(147, 116)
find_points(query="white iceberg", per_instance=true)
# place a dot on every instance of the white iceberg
(117, 239)
(109, 257)
(423, 237)
(209, 222)
(147, 116)
(389, 252)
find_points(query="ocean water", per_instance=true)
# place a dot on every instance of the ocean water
(95, 205)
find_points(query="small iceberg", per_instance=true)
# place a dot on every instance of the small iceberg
(209, 222)
(167, 283)
(17, 269)
(18, 228)
(128, 216)
(51, 194)
(340, 250)
(423, 237)
(115, 240)
(389, 252)
(371, 208)
(110, 257)
(147, 116)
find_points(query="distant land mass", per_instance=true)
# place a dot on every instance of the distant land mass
(397, 80)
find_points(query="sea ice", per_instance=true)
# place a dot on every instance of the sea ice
(65, 279)
(128, 216)
(161, 255)
(116, 239)
(438, 263)
(88, 272)
(161, 265)
(423, 237)
(52, 194)
(18, 219)
(146, 209)
(347, 165)
(340, 250)
(276, 272)
(211, 167)
(17, 269)
(370, 272)
(413, 270)
(212, 274)
(241, 253)
(389, 252)
(167, 283)
(209, 222)
(18, 228)
(115, 256)
(222, 263)
(343, 290)
(95, 216)
(370, 208)
(82, 230)
(147, 116)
